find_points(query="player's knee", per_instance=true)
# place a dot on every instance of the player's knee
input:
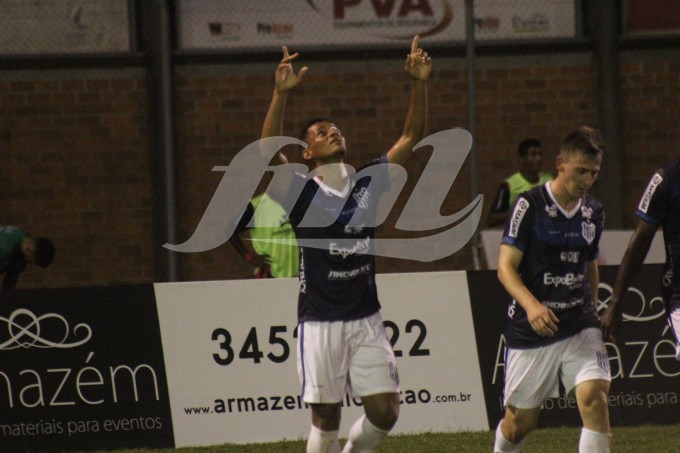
(514, 431)
(326, 417)
(594, 401)
(385, 418)
(515, 434)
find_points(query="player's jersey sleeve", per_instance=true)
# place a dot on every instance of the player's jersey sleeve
(653, 206)
(518, 226)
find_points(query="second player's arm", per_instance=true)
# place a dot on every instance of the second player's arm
(633, 258)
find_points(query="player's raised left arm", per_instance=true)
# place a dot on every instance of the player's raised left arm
(418, 66)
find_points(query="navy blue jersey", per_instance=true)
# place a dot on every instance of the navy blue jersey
(556, 247)
(337, 275)
(660, 205)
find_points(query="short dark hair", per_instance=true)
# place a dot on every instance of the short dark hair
(309, 123)
(44, 251)
(585, 139)
(524, 146)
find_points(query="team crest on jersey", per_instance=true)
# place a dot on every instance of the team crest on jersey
(586, 212)
(588, 231)
(649, 192)
(551, 210)
(361, 196)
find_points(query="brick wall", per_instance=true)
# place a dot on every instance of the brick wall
(74, 144)
(75, 168)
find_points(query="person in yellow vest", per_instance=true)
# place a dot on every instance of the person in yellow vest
(528, 177)
(268, 259)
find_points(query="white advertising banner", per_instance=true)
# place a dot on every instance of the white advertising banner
(230, 353)
(63, 26)
(252, 25)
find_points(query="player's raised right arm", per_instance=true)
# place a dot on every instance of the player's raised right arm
(285, 80)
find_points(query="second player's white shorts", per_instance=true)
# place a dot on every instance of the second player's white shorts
(531, 375)
(336, 357)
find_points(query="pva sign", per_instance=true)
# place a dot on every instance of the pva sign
(421, 213)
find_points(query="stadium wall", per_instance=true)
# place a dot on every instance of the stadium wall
(75, 143)
(204, 363)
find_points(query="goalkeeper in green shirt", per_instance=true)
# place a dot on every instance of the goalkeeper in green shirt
(528, 177)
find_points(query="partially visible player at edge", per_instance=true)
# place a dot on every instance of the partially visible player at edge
(547, 263)
(342, 343)
(659, 206)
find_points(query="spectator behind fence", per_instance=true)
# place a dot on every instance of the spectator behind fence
(17, 250)
(268, 259)
(528, 177)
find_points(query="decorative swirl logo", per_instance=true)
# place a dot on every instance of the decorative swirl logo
(24, 329)
(648, 310)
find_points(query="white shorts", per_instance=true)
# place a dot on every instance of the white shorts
(336, 357)
(533, 375)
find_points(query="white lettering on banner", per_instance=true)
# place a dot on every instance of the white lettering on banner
(421, 212)
(649, 192)
(346, 23)
(48, 387)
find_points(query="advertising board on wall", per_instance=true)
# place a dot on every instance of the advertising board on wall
(82, 369)
(205, 363)
(251, 26)
(232, 363)
(64, 26)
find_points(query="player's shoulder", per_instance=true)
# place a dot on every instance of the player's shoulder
(535, 196)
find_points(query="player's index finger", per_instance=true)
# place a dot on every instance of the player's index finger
(285, 51)
(414, 44)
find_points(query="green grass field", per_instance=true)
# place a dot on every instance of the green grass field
(643, 439)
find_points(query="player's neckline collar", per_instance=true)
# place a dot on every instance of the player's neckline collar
(567, 214)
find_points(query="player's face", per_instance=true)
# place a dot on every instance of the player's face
(326, 143)
(578, 172)
(533, 159)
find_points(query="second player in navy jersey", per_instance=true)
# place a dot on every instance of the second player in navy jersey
(557, 246)
(659, 206)
(547, 264)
